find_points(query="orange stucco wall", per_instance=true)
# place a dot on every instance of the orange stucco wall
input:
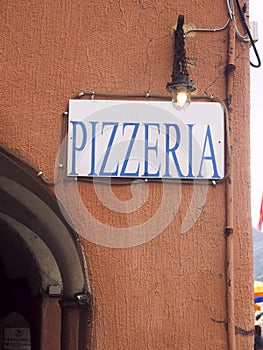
(170, 292)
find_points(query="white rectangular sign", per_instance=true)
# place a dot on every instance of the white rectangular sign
(148, 139)
(17, 338)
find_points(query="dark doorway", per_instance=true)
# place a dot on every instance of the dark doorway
(36, 272)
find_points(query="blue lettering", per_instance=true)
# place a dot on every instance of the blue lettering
(172, 149)
(74, 144)
(148, 148)
(125, 163)
(106, 156)
(208, 138)
(190, 152)
(93, 148)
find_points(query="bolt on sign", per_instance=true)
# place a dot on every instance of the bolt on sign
(142, 139)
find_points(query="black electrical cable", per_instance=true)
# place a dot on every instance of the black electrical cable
(242, 15)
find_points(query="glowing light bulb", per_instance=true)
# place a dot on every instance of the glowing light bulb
(181, 98)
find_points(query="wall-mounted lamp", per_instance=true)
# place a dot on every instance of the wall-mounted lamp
(181, 86)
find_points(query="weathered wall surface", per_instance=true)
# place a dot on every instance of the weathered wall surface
(170, 292)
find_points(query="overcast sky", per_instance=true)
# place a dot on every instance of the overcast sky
(256, 10)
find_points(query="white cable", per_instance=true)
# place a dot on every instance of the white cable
(208, 29)
(230, 10)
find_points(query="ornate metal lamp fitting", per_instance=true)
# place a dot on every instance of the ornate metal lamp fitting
(181, 86)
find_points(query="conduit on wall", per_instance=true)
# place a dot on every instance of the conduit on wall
(230, 68)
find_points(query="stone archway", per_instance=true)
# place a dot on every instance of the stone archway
(38, 247)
